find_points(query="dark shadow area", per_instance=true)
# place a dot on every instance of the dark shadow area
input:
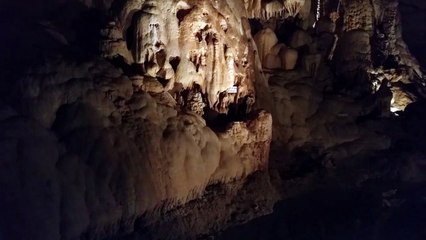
(342, 214)
(413, 17)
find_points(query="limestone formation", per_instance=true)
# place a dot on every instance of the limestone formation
(268, 9)
(358, 16)
(188, 43)
(120, 118)
(137, 141)
(265, 40)
(288, 58)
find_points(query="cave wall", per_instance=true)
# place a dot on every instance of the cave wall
(122, 155)
(107, 112)
(107, 143)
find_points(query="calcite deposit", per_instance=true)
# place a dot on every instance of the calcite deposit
(149, 119)
(123, 142)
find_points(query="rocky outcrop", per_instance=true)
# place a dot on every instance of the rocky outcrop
(306, 116)
(124, 154)
(268, 9)
(125, 118)
(381, 22)
(187, 43)
(107, 145)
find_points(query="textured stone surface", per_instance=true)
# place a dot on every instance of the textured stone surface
(107, 144)
(131, 117)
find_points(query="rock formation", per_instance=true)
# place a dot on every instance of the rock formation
(122, 118)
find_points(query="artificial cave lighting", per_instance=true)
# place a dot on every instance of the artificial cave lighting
(393, 108)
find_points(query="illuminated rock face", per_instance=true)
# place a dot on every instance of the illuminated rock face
(110, 145)
(374, 28)
(283, 8)
(189, 43)
(141, 130)
(203, 54)
(137, 142)
(125, 153)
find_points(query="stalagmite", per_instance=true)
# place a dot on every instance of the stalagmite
(305, 11)
(289, 58)
(265, 40)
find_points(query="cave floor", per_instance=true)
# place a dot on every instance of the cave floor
(375, 210)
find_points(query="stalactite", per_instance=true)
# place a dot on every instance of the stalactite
(214, 78)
